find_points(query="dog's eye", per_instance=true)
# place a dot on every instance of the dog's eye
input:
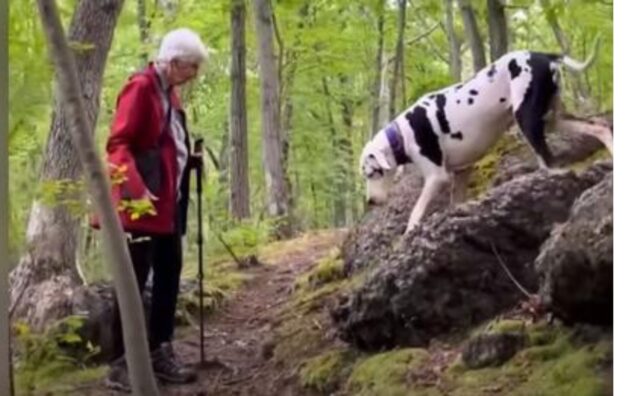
(374, 173)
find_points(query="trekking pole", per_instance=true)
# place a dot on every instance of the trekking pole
(197, 149)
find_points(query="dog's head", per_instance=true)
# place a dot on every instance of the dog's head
(377, 166)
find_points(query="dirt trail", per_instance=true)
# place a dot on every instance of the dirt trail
(239, 337)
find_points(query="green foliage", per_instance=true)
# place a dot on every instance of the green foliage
(327, 52)
(43, 358)
(67, 193)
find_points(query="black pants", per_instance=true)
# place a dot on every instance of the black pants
(163, 253)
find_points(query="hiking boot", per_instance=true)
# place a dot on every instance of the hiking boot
(118, 377)
(167, 368)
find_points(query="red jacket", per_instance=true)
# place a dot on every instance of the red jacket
(141, 156)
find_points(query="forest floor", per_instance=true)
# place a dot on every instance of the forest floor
(240, 337)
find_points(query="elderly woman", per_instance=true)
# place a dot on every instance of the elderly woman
(149, 157)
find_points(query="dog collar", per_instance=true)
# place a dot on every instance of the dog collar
(397, 146)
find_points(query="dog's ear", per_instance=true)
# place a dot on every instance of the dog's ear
(381, 158)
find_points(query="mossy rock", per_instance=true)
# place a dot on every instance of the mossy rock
(326, 372)
(387, 374)
(554, 363)
(329, 269)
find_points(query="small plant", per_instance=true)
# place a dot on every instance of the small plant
(40, 359)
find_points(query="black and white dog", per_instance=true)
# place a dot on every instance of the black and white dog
(445, 132)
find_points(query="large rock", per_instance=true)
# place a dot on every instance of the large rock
(576, 263)
(366, 244)
(446, 275)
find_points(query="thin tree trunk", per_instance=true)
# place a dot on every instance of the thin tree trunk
(339, 188)
(473, 34)
(223, 161)
(70, 97)
(346, 149)
(286, 98)
(402, 12)
(580, 92)
(6, 375)
(455, 62)
(239, 154)
(377, 83)
(277, 194)
(143, 27)
(498, 33)
(48, 266)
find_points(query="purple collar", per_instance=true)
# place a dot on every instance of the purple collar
(396, 143)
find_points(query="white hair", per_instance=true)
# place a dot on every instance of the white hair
(182, 44)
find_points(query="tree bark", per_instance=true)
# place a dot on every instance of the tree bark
(377, 83)
(6, 375)
(239, 155)
(143, 27)
(455, 61)
(579, 89)
(339, 188)
(346, 148)
(473, 34)
(498, 33)
(277, 194)
(402, 12)
(71, 103)
(42, 282)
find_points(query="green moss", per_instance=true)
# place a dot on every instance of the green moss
(328, 269)
(485, 169)
(601, 154)
(554, 364)
(386, 374)
(324, 373)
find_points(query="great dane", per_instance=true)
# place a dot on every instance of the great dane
(445, 132)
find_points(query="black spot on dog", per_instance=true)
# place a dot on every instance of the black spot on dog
(492, 70)
(457, 135)
(536, 103)
(502, 100)
(473, 92)
(426, 103)
(425, 137)
(470, 101)
(441, 101)
(458, 101)
(514, 69)
(431, 96)
(458, 87)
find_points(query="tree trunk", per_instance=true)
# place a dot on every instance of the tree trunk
(291, 57)
(579, 90)
(473, 34)
(455, 62)
(6, 377)
(143, 27)
(346, 148)
(339, 188)
(70, 95)
(42, 282)
(377, 83)
(277, 194)
(402, 12)
(239, 155)
(498, 33)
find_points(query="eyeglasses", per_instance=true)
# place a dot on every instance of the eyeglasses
(183, 65)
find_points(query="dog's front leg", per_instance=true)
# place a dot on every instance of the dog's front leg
(432, 186)
(459, 187)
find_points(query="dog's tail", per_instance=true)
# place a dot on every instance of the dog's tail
(580, 66)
